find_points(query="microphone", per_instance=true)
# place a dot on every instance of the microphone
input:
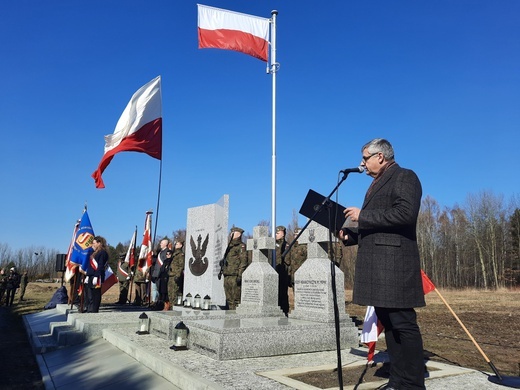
(359, 169)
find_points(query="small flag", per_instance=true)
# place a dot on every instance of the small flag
(223, 29)
(138, 130)
(372, 328)
(83, 242)
(427, 284)
(145, 254)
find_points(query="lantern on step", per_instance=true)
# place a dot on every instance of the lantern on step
(196, 302)
(206, 303)
(144, 324)
(178, 301)
(180, 337)
(187, 301)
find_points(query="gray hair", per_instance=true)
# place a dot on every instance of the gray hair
(380, 145)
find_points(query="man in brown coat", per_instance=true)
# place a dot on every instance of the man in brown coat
(388, 274)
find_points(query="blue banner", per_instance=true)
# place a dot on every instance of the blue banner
(83, 243)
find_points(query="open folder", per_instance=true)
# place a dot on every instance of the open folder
(331, 214)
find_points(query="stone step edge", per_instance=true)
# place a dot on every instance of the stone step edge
(176, 375)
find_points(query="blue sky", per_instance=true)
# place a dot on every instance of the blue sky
(439, 79)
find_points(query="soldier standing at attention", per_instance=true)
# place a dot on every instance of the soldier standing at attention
(298, 255)
(234, 264)
(23, 284)
(123, 277)
(176, 271)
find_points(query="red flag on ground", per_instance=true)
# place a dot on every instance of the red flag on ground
(138, 130)
(427, 284)
(145, 255)
(223, 29)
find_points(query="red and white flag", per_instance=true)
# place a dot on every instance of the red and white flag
(372, 328)
(130, 253)
(110, 280)
(70, 267)
(145, 254)
(223, 29)
(138, 130)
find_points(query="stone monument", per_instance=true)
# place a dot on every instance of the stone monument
(260, 280)
(313, 298)
(206, 241)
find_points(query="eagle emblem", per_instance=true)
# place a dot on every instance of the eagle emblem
(198, 263)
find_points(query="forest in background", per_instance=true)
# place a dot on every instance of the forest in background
(475, 245)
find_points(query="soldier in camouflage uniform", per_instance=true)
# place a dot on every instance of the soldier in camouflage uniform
(283, 267)
(176, 273)
(232, 267)
(123, 277)
(298, 255)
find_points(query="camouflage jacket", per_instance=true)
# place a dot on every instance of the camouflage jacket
(236, 259)
(177, 264)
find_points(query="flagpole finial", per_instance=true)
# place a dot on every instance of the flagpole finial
(274, 12)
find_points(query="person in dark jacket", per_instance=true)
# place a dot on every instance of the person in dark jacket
(387, 272)
(95, 275)
(13, 282)
(3, 284)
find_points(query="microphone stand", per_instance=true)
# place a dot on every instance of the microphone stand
(318, 208)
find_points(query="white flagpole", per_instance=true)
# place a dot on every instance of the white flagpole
(273, 70)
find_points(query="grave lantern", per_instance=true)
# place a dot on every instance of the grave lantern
(206, 303)
(196, 302)
(187, 301)
(180, 337)
(144, 324)
(179, 301)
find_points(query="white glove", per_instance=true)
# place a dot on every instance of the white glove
(128, 278)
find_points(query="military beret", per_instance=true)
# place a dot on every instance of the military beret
(280, 228)
(237, 229)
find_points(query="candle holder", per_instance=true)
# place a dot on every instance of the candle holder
(144, 324)
(206, 303)
(180, 337)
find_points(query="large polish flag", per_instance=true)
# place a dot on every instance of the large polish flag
(139, 128)
(223, 29)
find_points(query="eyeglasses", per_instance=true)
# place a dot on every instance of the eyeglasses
(366, 158)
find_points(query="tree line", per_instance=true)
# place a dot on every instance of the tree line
(476, 245)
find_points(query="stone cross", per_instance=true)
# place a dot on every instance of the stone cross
(317, 239)
(260, 281)
(260, 244)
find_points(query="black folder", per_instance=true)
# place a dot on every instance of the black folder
(331, 214)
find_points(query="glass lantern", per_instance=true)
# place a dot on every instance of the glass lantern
(179, 301)
(196, 302)
(187, 301)
(180, 337)
(206, 303)
(144, 324)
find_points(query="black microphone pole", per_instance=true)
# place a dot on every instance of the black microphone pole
(317, 210)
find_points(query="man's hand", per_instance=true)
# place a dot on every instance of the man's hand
(352, 213)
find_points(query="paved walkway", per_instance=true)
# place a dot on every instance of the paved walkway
(122, 359)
